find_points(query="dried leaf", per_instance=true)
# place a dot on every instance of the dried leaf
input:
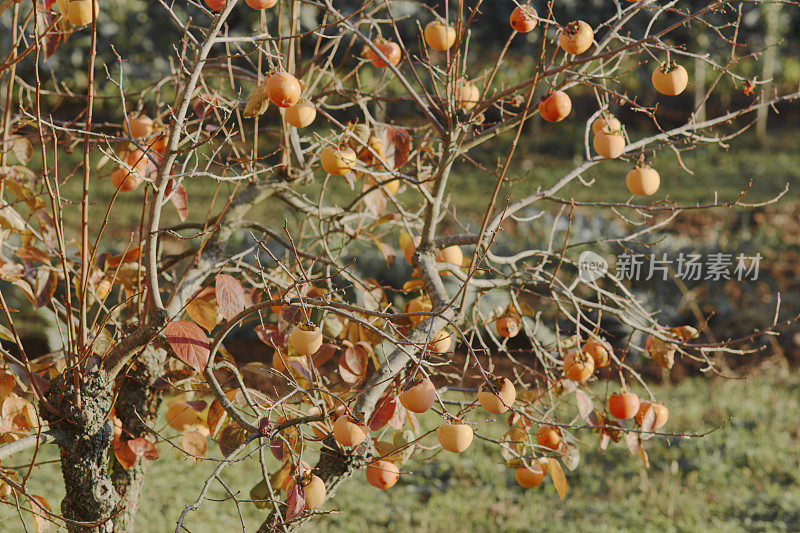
(353, 362)
(387, 251)
(259, 495)
(203, 312)
(41, 520)
(258, 102)
(375, 202)
(189, 343)
(605, 440)
(10, 219)
(6, 335)
(141, 447)
(633, 443)
(23, 149)
(46, 283)
(571, 457)
(230, 296)
(558, 477)
(585, 405)
(513, 443)
(194, 443)
(230, 438)
(643, 456)
(295, 501)
(648, 421)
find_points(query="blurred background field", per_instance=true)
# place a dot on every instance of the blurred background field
(743, 477)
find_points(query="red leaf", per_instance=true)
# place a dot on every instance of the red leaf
(189, 343)
(384, 412)
(181, 202)
(295, 501)
(401, 140)
(269, 335)
(123, 453)
(141, 447)
(324, 354)
(230, 296)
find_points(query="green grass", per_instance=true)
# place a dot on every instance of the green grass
(542, 158)
(743, 477)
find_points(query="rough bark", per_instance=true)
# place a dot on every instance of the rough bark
(89, 495)
(137, 408)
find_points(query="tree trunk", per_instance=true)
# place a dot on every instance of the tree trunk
(137, 407)
(89, 495)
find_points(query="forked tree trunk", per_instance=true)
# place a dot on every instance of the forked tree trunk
(137, 407)
(89, 495)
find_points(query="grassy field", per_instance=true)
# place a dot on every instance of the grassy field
(743, 477)
(725, 172)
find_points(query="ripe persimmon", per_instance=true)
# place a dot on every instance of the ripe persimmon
(347, 432)
(643, 180)
(124, 180)
(337, 161)
(452, 255)
(455, 436)
(578, 366)
(306, 339)
(599, 350)
(609, 145)
(138, 126)
(549, 437)
(670, 79)
(382, 474)
(659, 410)
(507, 326)
(623, 405)
(127, 180)
(420, 304)
(576, 37)
(531, 476)
(555, 107)
(441, 342)
(388, 48)
(313, 489)
(419, 397)
(606, 122)
(465, 94)
(283, 89)
(215, 5)
(261, 4)
(301, 114)
(439, 36)
(497, 396)
(523, 19)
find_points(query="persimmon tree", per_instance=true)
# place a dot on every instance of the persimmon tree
(354, 128)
